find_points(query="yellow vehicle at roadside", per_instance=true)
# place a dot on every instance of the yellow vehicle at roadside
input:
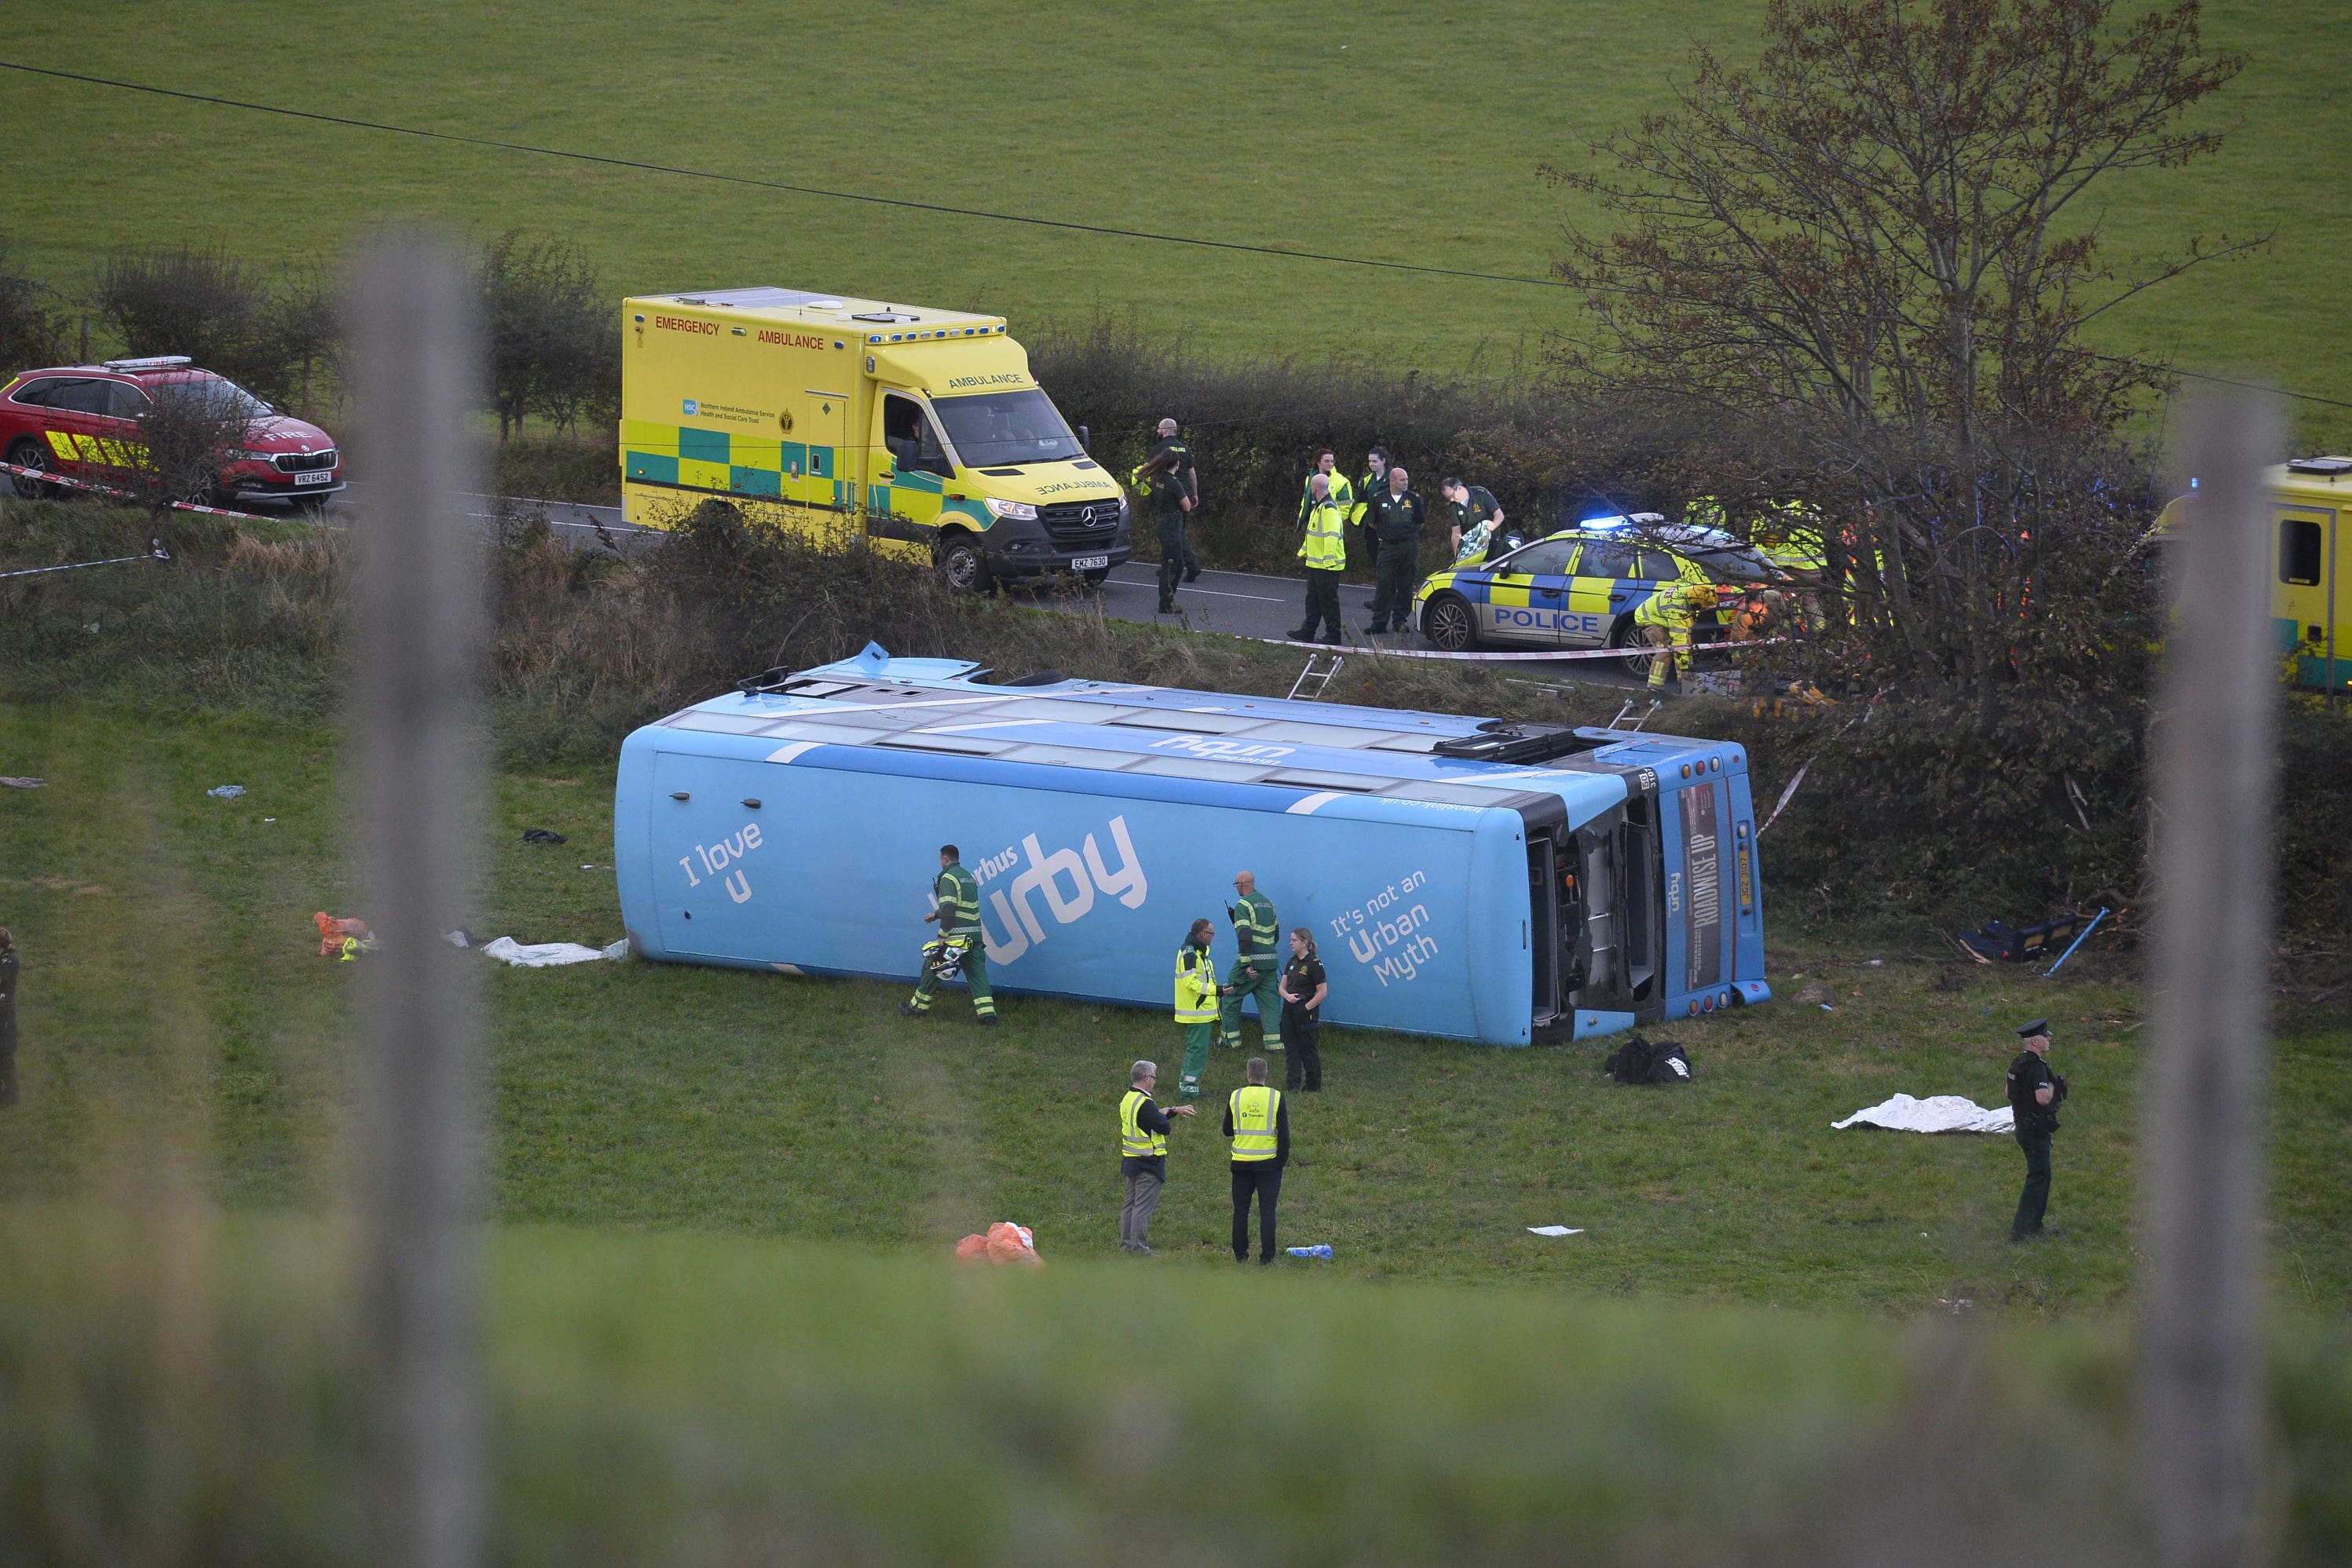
(2309, 528)
(914, 432)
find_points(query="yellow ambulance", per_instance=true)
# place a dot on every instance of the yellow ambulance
(2311, 582)
(915, 432)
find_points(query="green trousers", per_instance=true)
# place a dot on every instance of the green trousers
(1197, 1037)
(1176, 559)
(1393, 580)
(1267, 988)
(975, 973)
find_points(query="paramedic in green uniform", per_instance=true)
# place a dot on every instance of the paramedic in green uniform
(956, 897)
(1196, 1004)
(1175, 485)
(1257, 971)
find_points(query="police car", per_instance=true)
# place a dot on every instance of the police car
(82, 422)
(1579, 588)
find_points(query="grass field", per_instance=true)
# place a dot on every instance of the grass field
(178, 1388)
(170, 964)
(1401, 132)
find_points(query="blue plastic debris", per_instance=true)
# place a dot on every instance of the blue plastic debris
(1320, 1249)
(226, 791)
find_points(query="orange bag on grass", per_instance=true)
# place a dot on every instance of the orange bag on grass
(1005, 1243)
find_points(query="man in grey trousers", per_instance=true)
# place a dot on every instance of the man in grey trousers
(1144, 1129)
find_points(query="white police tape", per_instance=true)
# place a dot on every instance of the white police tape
(1630, 650)
(158, 553)
(46, 477)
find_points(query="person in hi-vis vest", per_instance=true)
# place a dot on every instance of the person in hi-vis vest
(1144, 1129)
(1196, 1004)
(1257, 1119)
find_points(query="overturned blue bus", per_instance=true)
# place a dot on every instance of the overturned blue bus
(1467, 878)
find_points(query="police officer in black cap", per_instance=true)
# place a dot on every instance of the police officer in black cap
(2034, 1095)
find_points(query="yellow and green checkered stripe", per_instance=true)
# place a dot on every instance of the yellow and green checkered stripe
(689, 457)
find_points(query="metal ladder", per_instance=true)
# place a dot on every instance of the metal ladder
(1647, 715)
(1321, 677)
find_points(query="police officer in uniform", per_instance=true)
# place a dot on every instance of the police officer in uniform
(1144, 1129)
(1304, 987)
(1257, 1120)
(955, 898)
(1394, 520)
(1254, 972)
(1196, 1004)
(2034, 1095)
(1176, 488)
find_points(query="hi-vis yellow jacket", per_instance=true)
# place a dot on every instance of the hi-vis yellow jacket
(1196, 985)
(1325, 547)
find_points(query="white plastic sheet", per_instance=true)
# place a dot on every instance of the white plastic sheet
(1936, 1114)
(545, 955)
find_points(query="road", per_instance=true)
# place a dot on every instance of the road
(1238, 603)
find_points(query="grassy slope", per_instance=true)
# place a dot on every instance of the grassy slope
(1407, 132)
(173, 1392)
(167, 945)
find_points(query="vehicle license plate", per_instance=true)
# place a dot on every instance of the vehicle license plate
(316, 476)
(1090, 563)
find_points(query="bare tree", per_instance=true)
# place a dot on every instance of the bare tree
(1872, 251)
(554, 334)
(186, 433)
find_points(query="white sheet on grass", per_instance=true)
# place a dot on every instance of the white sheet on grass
(544, 955)
(1555, 1230)
(1936, 1114)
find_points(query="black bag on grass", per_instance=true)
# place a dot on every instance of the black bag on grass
(1639, 1062)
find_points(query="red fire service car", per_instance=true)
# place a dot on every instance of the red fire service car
(82, 422)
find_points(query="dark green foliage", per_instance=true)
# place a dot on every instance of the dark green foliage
(1924, 816)
(267, 334)
(553, 333)
(32, 330)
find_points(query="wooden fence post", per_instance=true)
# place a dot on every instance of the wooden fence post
(418, 614)
(2202, 1287)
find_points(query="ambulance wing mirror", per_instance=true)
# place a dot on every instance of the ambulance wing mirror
(1086, 442)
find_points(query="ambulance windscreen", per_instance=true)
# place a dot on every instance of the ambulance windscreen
(993, 429)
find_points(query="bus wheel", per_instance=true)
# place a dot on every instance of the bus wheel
(1628, 636)
(29, 454)
(962, 565)
(1450, 624)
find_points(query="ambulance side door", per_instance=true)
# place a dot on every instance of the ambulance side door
(2304, 546)
(908, 469)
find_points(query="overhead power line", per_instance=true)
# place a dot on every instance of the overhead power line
(866, 197)
(869, 199)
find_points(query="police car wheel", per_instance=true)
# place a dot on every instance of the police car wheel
(1449, 624)
(963, 565)
(29, 454)
(1628, 636)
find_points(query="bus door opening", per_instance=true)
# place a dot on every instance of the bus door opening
(1546, 870)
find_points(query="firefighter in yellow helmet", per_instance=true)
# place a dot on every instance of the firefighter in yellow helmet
(1666, 619)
